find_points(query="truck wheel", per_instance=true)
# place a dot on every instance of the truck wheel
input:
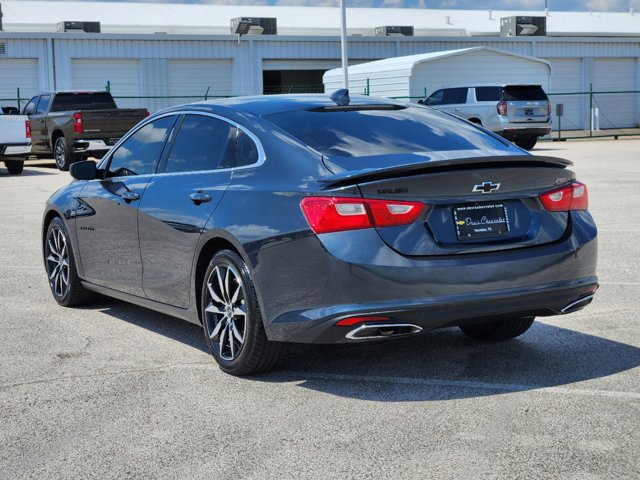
(15, 167)
(62, 155)
(526, 142)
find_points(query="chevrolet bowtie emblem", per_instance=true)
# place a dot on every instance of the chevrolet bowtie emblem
(486, 187)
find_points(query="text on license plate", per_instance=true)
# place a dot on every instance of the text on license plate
(481, 221)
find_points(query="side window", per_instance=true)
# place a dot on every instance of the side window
(454, 95)
(30, 109)
(202, 143)
(43, 104)
(435, 98)
(487, 94)
(140, 153)
(247, 151)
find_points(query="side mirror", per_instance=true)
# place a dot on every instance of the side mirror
(85, 170)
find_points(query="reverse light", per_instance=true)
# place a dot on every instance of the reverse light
(27, 128)
(336, 214)
(77, 125)
(570, 197)
(502, 108)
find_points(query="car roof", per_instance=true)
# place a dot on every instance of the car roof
(262, 105)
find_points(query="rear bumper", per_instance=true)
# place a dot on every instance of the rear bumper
(305, 286)
(512, 132)
(15, 150)
(86, 146)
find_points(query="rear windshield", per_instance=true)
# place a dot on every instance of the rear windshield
(82, 101)
(524, 93)
(356, 133)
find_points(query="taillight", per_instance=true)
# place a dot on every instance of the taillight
(77, 126)
(147, 114)
(502, 107)
(570, 197)
(336, 214)
(27, 128)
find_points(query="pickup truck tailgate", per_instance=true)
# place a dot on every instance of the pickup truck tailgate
(110, 123)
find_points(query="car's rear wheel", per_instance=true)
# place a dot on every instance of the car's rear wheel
(498, 330)
(61, 267)
(232, 319)
(526, 142)
(63, 157)
(15, 167)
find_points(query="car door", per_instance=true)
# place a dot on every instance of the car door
(450, 100)
(39, 131)
(178, 202)
(30, 110)
(107, 229)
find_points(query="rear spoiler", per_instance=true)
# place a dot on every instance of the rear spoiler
(351, 177)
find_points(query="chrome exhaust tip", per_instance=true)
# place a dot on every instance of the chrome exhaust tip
(577, 305)
(368, 332)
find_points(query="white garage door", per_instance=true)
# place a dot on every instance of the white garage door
(122, 75)
(565, 78)
(18, 73)
(615, 74)
(194, 77)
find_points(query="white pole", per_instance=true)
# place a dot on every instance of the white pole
(343, 43)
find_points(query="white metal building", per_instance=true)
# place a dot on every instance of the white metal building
(151, 50)
(420, 75)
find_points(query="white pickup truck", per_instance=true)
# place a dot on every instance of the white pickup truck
(15, 141)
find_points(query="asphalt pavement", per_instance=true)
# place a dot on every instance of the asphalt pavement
(117, 391)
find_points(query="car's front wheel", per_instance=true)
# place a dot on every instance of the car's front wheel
(61, 267)
(498, 330)
(232, 319)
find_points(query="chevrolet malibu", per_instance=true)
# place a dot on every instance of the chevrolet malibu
(322, 219)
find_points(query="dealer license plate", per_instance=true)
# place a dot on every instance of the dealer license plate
(481, 221)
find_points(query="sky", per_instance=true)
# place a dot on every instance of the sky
(557, 5)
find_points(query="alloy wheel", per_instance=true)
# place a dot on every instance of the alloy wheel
(58, 261)
(60, 154)
(226, 311)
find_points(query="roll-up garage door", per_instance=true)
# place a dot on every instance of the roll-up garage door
(17, 73)
(189, 78)
(565, 78)
(615, 74)
(123, 77)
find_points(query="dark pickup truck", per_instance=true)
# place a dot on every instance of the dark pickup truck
(76, 125)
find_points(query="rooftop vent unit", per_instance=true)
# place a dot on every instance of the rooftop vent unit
(394, 31)
(523, 26)
(79, 27)
(254, 26)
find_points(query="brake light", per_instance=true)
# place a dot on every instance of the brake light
(27, 128)
(147, 114)
(77, 126)
(502, 107)
(336, 214)
(570, 197)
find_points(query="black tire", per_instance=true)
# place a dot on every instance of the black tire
(526, 142)
(499, 330)
(15, 167)
(61, 154)
(57, 247)
(232, 320)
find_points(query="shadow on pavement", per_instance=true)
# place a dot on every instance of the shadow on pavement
(27, 172)
(440, 365)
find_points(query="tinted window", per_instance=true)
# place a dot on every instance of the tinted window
(43, 104)
(354, 133)
(139, 154)
(247, 151)
(487, 94)
(524, 93)
(436, 98)
(202, 143)
(82, 101)
(454, 95)
(30, 109)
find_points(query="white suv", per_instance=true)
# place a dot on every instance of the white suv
(521, 113)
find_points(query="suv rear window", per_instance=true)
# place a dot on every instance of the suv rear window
(367, 132)
(82, 101)
(524, 93)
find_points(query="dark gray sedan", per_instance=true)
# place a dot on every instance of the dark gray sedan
(322, 219)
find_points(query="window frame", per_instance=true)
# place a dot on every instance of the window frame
(36, 100)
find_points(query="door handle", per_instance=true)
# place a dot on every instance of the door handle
(130, 196)
(200, 197)
(456, 109)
